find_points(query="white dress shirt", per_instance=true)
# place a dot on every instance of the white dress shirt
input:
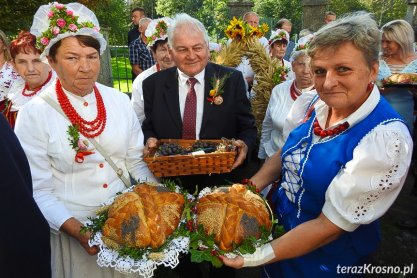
(137, 93)
(368, 185)
(199, 90)
(63, 188)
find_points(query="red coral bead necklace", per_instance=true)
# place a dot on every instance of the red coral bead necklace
(89, 129)
(37, 89)
(328, 132)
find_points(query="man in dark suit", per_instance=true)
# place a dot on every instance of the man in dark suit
(166, 94)
(24, 235)
(178, 105)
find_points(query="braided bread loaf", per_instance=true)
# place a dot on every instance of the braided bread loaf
(144, 217)
(232, 214)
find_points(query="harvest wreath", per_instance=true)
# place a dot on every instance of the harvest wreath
(264, 67)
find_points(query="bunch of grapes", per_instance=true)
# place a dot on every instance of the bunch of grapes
(203, 145)
(166, 149)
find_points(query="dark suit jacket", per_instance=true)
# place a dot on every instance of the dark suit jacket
(231, 119)
(24, 234)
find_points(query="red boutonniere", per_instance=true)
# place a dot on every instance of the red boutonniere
(79, 145)
(218, 86)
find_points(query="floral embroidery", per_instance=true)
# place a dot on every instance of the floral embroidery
(215, 93)
(61, 20)
(80, 146)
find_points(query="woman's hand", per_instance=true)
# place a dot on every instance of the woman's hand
(242, 151)
(72, 227)
(235, 262)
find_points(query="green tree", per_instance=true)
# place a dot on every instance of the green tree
(212, 13)
(272, 10)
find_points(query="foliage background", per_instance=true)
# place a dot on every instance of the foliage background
(115, 14)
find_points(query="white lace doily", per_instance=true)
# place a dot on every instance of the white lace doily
(146, 266)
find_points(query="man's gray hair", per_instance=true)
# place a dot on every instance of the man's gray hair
(192, 25)
(250, 13)
(358, 28)
(144, 21)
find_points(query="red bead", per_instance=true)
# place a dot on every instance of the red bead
(101, 165)
(85, 103)
(330, 132)
(105, 185)
(323, 133)
(89, 129)
(317, 130)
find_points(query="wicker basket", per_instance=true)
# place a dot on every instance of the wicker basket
(181, 165)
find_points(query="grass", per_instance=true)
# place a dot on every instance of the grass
(121, 69)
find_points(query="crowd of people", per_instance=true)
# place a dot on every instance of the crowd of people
(335, 143)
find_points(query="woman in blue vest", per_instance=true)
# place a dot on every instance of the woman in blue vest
(343, 164)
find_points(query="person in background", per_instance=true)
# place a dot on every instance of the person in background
(139, 55)
(136, 15)
(158, 43)
(36, 74)
(7, 73)
(286, 25)
(329, 16)
(277, 48)
(343, 165)
(398, 56)
(71, 178)
(24, 238)
(282, 98)
(252, 19)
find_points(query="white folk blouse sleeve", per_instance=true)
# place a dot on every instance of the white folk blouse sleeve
(369, 184)
(37, 144)
(267, 124)
(134, 159)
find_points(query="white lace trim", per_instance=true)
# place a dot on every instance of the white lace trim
(146, 266)
(381, 183)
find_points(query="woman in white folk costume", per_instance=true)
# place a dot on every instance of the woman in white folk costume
(278, 46)
(36, 74)
(70, 176)
(156, 34)
(282, 98)
(7, 73)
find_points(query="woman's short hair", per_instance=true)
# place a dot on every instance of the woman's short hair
(358, 28)
(158, 43)
(401, 32)
(297, 54)
(193, 25)
(88, 41)
(6, 41)
(24, 43)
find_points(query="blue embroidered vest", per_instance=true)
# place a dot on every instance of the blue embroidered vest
(306, 183)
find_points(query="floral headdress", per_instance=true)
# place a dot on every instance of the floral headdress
(239, 30)
(157, 30)
(279, 35)
(304, 42)
(56, 21)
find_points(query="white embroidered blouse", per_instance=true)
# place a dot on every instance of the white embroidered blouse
(7, 77)
(369, 184)
(63, 188)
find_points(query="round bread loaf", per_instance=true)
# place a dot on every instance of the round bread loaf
(232, 214)
(144, 217)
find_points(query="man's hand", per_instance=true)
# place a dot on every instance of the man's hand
(72, 227)
(242, 151)
(150, 144)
